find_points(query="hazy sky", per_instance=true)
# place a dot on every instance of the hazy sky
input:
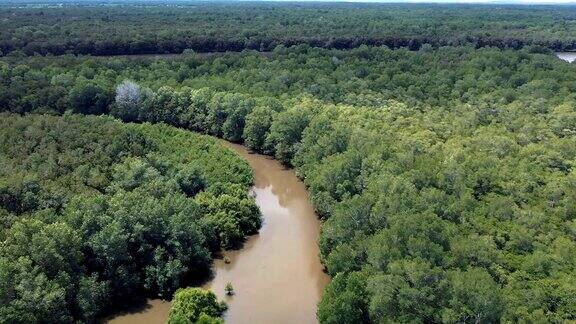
(472, 1)
(455, 1)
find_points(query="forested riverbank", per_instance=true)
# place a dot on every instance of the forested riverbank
(444, 176)
(97, 215)
(285, 247)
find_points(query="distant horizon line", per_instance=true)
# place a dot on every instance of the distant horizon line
(471, 2)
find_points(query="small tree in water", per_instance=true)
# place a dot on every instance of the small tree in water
(229, 289)
(193, 305)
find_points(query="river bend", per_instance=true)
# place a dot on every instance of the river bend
(277, 275)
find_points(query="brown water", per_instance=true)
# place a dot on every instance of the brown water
(155, 311)
(277, 275)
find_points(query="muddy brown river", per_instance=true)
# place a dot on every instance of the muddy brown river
(277, 275)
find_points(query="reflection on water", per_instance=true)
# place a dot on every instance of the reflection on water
(566, 56)
(277, 275)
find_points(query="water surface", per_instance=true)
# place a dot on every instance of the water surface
(566, 56)
(277, 275)
(155, 311)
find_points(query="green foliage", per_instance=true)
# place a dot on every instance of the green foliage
(231, 214)
(344, 300)
(89, 98)
(195, 305)
(410, 292)
(127, 28)
(229, 289)
(96, 212)
(286, 132)
(191, 180)
(257, 128)
(206, 319)
(475, 297)
(39, 265)
(445, 176)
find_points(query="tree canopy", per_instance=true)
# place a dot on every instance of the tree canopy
(146, 27)
(195, 305)
(444, 176)
(96, 212)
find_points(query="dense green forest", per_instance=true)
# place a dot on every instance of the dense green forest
(94, 212)
(445, 177)
(441, 164)
(145, 27)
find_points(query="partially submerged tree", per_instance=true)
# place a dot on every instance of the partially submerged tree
(229, 289)
(192, 304)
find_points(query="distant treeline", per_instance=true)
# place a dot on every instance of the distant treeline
(124, 30)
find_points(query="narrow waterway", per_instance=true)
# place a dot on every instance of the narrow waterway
(277, 275)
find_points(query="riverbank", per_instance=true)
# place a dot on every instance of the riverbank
(277, 274)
